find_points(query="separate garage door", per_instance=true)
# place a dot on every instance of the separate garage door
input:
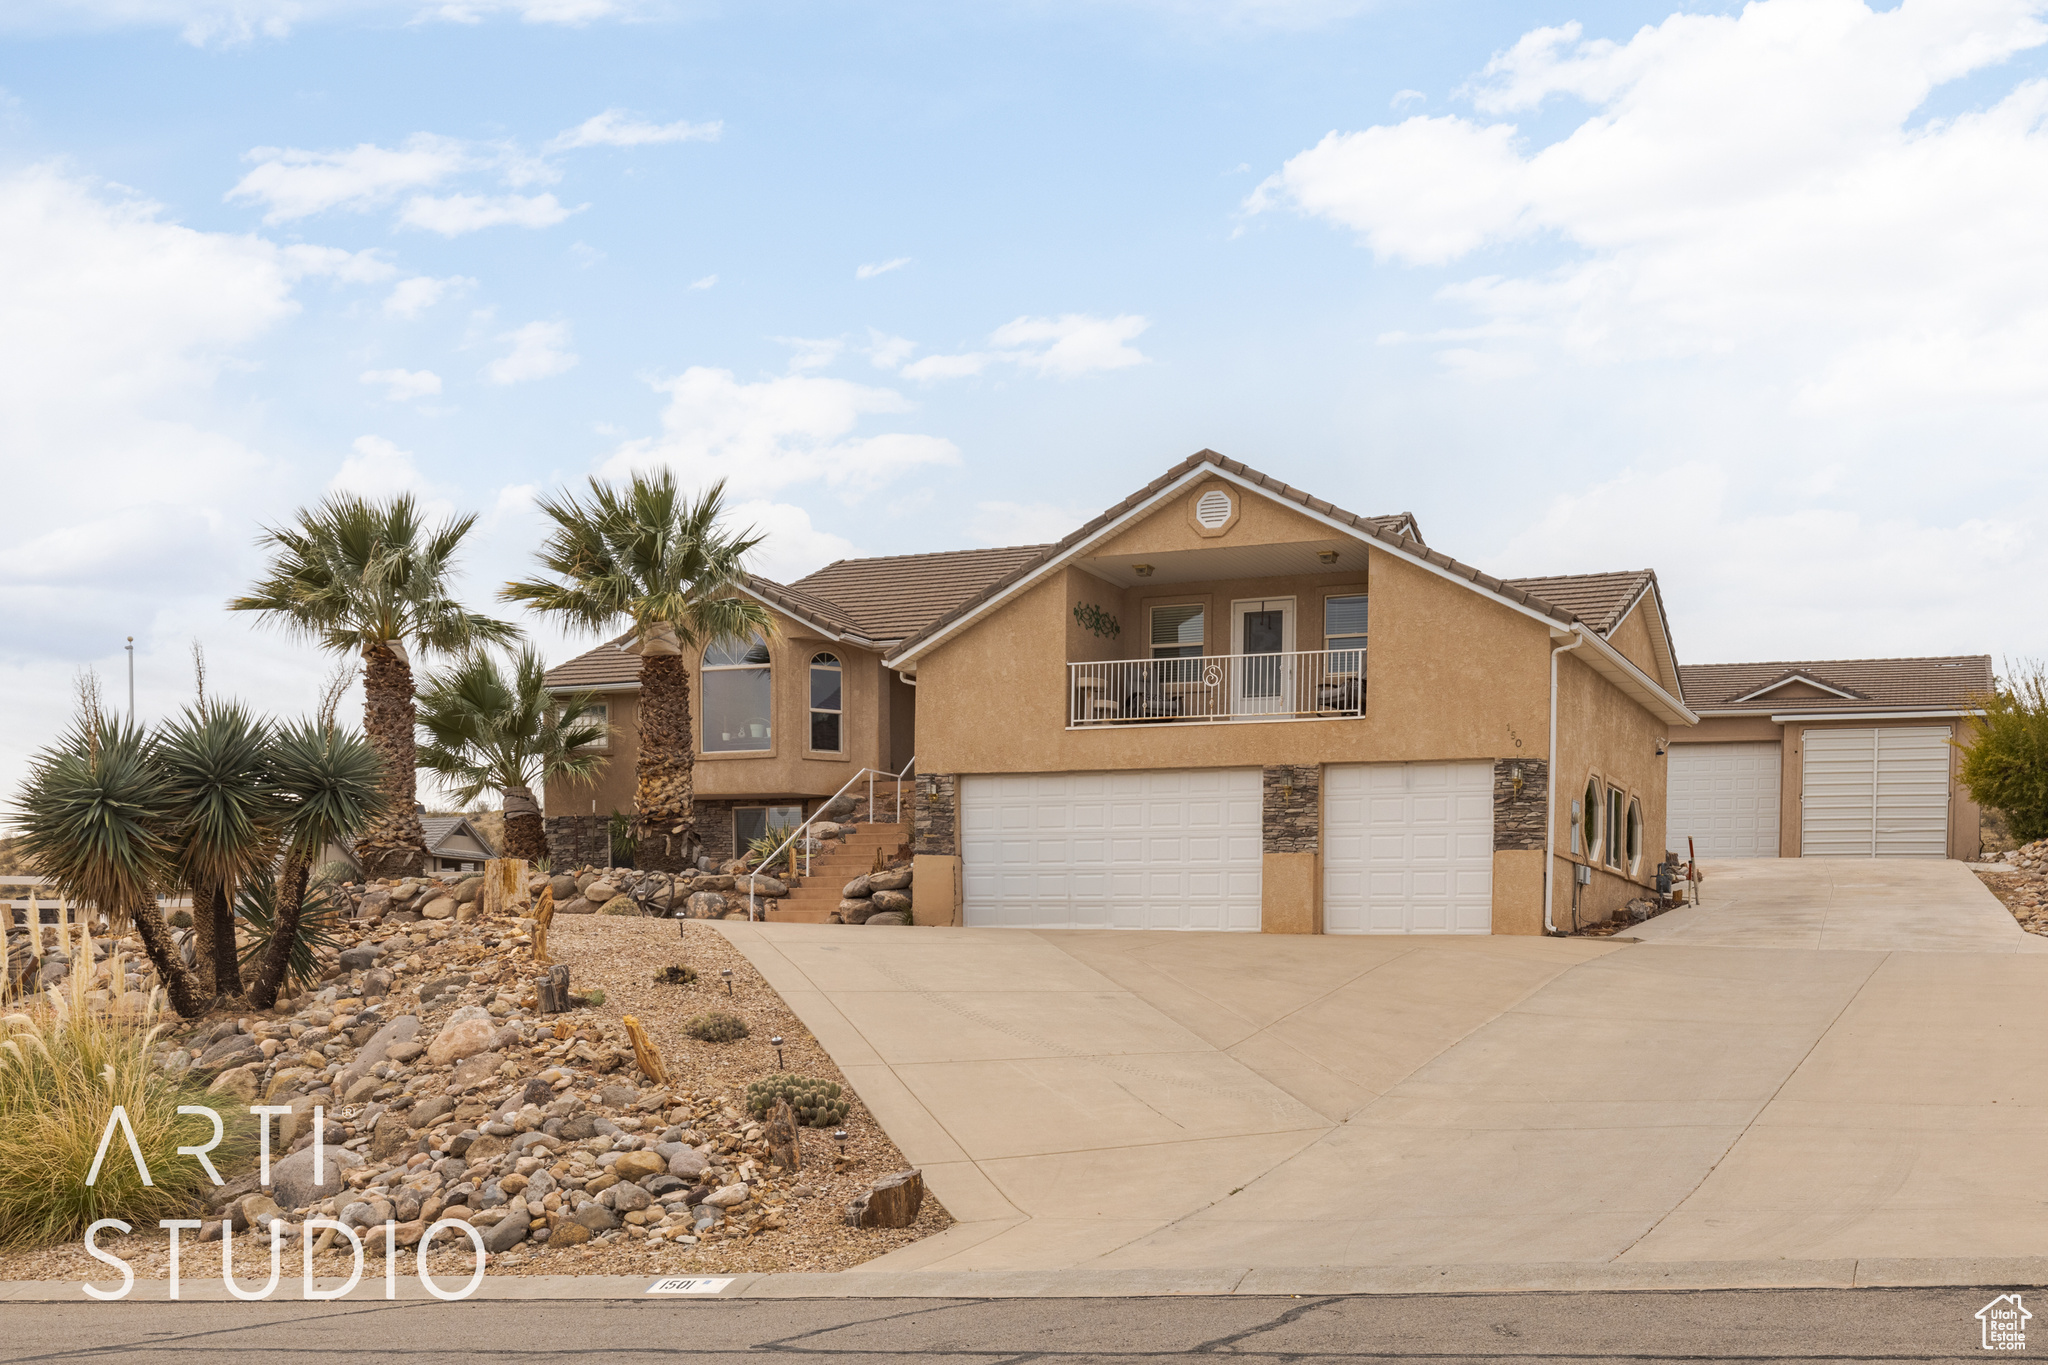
(1408, 848)
(1724, 797)
(1136, 850)
(1880, 793)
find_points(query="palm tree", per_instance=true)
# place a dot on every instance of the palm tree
(371, 577)
(328, 783)
(488, 730)
(216, 758)
(643, 552)
(97, 816)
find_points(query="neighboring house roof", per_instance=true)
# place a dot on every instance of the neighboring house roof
(606, 668)
(440, 829)
(1947, 683)
(1398, 533)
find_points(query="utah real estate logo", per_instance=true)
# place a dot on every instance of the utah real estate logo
(2005, 1323)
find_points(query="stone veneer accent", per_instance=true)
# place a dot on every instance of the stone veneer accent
(1518, 820)
(574, 840)
(1291, 819)
(935, 823)
(714, 828)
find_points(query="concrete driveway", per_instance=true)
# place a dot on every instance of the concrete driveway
(1186, 1101)
(1868, 903)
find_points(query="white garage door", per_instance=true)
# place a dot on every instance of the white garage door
(1135, 850)
(1880, 793)
(1408, 848)
(1724, 797)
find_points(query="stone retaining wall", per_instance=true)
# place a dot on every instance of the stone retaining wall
(576, 840)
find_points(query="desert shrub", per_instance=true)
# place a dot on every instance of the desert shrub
(63, 1069)
(818, 1104)
(760, 850)
(319, 927)
(2005, 753)
(716, 1026)
(623, 841)
(675, 976)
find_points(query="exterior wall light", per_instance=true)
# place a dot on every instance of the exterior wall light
(1663, 746)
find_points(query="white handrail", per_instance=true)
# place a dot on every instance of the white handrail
(870, 774)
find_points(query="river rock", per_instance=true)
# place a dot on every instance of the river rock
(856, 911)
(638, 1165)
(441, 907)
(859, 889)
(891, 900)
(468, 1031)
(291, 1180)
(894, 880)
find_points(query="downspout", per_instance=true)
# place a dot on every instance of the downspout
(1550, 796)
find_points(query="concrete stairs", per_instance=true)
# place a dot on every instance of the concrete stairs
(812, 899)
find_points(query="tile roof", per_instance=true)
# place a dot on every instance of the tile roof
(895, 596)
(1598, 599)
(1936, 684)
(606, 666)
(1399, 530)
(437, 828)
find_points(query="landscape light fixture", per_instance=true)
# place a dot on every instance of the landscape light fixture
(726, 972)
(840, 1138)
(776, 1043)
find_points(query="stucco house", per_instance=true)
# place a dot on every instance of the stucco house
(1173, 718)
(1826, 758)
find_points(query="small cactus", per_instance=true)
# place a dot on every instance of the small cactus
(675, 976)
(817, 1104)
(716, 1026)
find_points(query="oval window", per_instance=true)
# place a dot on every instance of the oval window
(1591, 828)
(1635, 835)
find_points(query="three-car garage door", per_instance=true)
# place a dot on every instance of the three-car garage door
(1724, 798)
(1127, 850)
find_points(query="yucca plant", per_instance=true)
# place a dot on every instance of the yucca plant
(216, 758)
(501, 729)
(372, 578)
(643, 553)
(319, 927)
(63, 1070)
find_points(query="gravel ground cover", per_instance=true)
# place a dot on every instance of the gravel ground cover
(535, 1103)
(2020, 880)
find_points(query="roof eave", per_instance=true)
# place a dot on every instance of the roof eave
(1611, 664)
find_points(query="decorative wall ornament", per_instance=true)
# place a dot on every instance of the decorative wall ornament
(1096, 621)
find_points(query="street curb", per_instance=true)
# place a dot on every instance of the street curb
(1268, 1281)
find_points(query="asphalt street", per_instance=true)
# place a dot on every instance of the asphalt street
(1829, 1324)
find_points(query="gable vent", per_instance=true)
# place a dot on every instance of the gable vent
(1212, 509)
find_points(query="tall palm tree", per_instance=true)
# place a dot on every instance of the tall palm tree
(487, 729)
(372, 577)
(328, 783)
(643, 552)
(216, 758)
(98, 817)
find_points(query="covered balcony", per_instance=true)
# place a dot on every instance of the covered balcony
(1320, 684)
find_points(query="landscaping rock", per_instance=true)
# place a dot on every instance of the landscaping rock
(859, 889)
(639, 1165)
(461, 1037)
(891, 900)
(506, 1233)
(619, 905)
(882, 918)
(705, 905)
(291, 1180)
(894, 880)
(891, 1202)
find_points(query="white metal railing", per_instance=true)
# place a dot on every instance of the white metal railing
(796, 836)
(1316, 684)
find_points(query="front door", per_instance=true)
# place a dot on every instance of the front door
(1262, 674)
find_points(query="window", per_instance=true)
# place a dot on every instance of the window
(601, 714)
(825, 703)
(1635, 835)
(1177, 634)
(1344, 633)
(755, 822)
(737, 697)
(1595, 802)
(1614, 833)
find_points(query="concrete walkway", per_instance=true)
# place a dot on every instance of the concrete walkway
(1856, 903)
(1190, 1102)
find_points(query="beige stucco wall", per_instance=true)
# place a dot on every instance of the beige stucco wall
(612, 788)
(1601, 733)
(1291, 893)
(1632, 639)
(1965, 820)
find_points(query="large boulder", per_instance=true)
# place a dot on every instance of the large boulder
(856, 912)
(894, 880)
(891, 900)
(705, 905)
(381, 1042)
(468, 1031)
(579, 906)
(859, 889)
(891, 1202)
(619, 905)
(564, 887)
(292, 1183)
(883, 918)
(760, 885)
(600, 891)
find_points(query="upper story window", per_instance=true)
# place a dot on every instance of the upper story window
(1344, 633)
(738, 697)
(598, 713)
(1177, 632)
(826, 706)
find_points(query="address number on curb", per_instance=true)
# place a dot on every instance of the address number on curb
(689, 1286)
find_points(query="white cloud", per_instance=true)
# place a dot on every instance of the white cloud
(293, 183)
(617, 128)
(454, 214)
(777, 433)
(540, 350)
(1024, 523)
(792, 545)
(401, 385)
(812, 353)
(888, 352)
(411, 297)
(1068, 345)
(377, 469)
(869, 271)
(704, 283)
(226, 22)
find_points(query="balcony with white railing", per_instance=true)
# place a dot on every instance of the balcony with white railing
(1314, 684)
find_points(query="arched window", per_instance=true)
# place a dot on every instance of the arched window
(1592, 827)
(1635, 835)
(738, 697)
(826, 704)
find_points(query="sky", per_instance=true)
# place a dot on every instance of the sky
(1756, 296)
